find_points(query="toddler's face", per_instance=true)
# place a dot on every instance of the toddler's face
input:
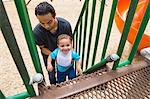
(65, 45)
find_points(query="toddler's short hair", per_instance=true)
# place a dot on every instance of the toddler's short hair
(63, 36)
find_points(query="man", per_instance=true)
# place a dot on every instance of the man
(47, 31)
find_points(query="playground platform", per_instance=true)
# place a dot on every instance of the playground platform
(132, 81)
(124, 79)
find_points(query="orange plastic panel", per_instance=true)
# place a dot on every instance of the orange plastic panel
(122, 8)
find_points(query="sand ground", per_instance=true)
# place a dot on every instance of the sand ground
(10, 81)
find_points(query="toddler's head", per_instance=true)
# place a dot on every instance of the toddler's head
(64, 43)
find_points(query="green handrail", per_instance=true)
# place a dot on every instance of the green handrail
(111, 18)
(126, 29)
(14, 49)
(98, 30)
(84, 9)
(80, 37)
(2, 96)
(95, 67)
(81, 42)
(22, 95)
(90, 32)
(81, 14)
(140, 32)
(76, 40)
(26, 25)
(84, 32)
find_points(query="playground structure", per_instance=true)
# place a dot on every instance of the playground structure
(123, 82)
(141, 7)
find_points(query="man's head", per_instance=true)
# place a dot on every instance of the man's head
(44, 8)
(45, 13)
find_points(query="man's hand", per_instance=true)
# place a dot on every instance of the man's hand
(44, 50)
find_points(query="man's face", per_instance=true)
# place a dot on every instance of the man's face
(47, 21)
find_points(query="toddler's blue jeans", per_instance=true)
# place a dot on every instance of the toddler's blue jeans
(61, 76)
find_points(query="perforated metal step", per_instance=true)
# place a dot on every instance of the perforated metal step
(131, 82)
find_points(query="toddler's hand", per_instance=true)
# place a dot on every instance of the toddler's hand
(79, 72)
(49, 68)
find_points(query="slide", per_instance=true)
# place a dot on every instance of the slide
(120, 15)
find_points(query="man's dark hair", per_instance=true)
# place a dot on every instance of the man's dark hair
(44, 8)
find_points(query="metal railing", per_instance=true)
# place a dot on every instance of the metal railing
(83, 38)
(84, 46)
(10, 39)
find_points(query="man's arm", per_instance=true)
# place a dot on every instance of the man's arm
(44, 50)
